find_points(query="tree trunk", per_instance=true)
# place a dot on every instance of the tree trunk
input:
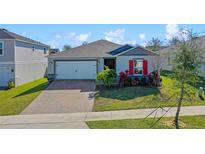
(179, 106)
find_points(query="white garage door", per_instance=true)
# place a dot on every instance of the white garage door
(4, 76)
(75, 69)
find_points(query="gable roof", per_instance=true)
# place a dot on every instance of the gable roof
(5, 34)
(100, 48)
(120, 49)
(138, 51)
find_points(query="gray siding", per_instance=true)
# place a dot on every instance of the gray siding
(29, 65)
(166, 62)
(122, 62)
(51, 66)
(27, 72)
(24, 52)
(8, 51)
(100, 64)
(11, 68)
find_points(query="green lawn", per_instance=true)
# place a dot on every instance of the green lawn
(15, 100)
(186, 122)
(146, 97)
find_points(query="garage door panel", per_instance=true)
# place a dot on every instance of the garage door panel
(76, 69)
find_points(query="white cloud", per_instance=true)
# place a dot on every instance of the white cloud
(82, 37)
(77, 38)
(131, 42)
(54, 43)
(116, 36)
(57, 36)
(73, 39)
(172, 30)
(142, 36)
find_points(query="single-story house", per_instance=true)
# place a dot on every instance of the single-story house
(85, 61)
(21, 59)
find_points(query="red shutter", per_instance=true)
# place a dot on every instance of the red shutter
(145, 67)
(131, 67)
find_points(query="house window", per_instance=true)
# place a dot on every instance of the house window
(110, 63)
(45, 50)
(33, 48)
(1, 48)
(138, 66)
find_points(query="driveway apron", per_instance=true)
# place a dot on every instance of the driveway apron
(64, 97)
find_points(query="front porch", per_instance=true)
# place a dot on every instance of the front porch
(110, 62)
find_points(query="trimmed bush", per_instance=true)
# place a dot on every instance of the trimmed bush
(107, 76)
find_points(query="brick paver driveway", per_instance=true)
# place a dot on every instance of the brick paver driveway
(64, 97)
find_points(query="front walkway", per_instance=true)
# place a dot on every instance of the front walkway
(77, 120)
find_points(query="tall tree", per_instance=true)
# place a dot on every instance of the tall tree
(154, 44)
(186, 65)
(66, 47)
(186, 69)
(173, 41)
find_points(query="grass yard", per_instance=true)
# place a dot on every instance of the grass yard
(186, 122)
(146, 97)
(15, 100)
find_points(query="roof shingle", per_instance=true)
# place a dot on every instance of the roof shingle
(100, 48)
(5, 34)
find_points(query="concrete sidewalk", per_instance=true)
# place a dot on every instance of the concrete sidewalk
(77, 120)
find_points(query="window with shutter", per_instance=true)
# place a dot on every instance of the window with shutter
(1, 48)
(138, 66)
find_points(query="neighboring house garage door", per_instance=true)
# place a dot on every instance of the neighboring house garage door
(4, 76)
(75, 70)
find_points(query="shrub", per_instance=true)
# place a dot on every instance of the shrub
(107, 76)
(134, 81)
(11, 84)
(154, 79)
(124, 79)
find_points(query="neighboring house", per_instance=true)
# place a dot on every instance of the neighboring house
(152, 48)
(52, 51)
(168, 54)
(85, 61)
(21, 59)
